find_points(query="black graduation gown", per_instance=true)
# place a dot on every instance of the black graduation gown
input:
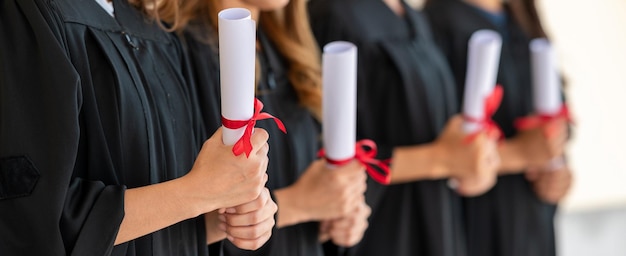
(290, 154)
(89, 106)
(509, 219)
(405, 97)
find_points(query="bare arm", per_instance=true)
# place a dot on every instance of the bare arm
(218, 179)
(151, 208)
(472, 164)
(421, 162)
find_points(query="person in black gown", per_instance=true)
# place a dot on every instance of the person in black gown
(101, 147)
(289, 85)
(517, 216)
(407, 104)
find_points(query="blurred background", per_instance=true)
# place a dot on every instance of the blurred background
(590, 38)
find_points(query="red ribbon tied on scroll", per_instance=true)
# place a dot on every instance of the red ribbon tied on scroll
(243, 145)
(365, 152)
(535, 121)
(492, 102)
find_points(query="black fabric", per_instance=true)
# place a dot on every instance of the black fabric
(290, 154)
(18, 177)
(405, 96)
(509, 219)
(98, 104)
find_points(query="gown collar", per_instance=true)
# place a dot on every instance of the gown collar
(127, 18)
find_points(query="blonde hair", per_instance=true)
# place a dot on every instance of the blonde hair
(287, 28)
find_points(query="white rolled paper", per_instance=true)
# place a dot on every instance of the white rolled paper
(545, 77)
(339, 70)
(237, 50)
(483, 60)
(546, 86)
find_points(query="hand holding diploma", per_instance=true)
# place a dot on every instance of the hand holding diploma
(237, 48)
(545, 133)
(482, 98)
(477, 171)
(247, 224)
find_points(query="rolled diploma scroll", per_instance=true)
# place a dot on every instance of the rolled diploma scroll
(483, 59)
(339, 72)
(546, 82)
(237, 42)
(546, 86)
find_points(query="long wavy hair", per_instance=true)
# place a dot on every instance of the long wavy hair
(287, 28)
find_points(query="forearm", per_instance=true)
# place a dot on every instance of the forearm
(414, 163)
(288, 211)
(512, 159)
(154, 207)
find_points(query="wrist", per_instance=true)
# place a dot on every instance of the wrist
(289, 212)
(513, 157)
(440, 165)
(184, 190)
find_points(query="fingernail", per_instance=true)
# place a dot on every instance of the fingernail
(453, 184)
(221, 218)
(231, 210)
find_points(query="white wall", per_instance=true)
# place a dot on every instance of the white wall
(591, 40)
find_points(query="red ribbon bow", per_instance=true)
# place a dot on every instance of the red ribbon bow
(244, 145)
(492, 102)
(365, 153)
(531, 122)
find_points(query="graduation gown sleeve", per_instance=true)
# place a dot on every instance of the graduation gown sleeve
(43, 210)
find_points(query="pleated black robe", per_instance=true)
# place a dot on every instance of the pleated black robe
(290, 154)
(406, 94)
(509, 219)
(89, 105)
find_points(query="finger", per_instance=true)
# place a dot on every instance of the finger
(323, 237)
(250, 244)
(264, 150)
(325, 226)
(353, 204)
(251, 206)
(475, 186)
(259, 137)
(261, 207)
(349, 237)
(354, 167)
(360, 214)
(532, 174)
(324, 231)
(342, 223)
(250, 232)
